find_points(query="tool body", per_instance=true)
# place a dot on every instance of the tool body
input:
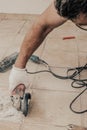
(21, 103)
(8, 61)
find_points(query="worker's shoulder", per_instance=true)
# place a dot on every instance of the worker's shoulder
(51, 16)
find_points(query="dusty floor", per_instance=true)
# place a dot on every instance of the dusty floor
(50, 96)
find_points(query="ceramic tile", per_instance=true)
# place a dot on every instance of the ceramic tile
(10, 26)
(46, 81)
(82, 58)
(52, 107)
(33, 17)
(59, 55)
(81, 34)
(18, 39)
(3, 52)
(82, 44)
(28, 126)
(20, 16)
(4, 77)
(6, 40)
(62, 45)
(67, 29)
(12, 49)
(2, 16)
(26, 26)
(55, 57)
(9, 126)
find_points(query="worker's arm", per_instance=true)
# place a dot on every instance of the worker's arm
(46, 22)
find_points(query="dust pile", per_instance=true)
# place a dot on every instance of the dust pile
(7, 111)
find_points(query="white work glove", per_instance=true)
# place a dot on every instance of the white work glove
(18, 76)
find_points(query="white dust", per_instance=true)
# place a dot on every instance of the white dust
(7, 111)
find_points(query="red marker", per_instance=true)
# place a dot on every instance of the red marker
(69, 37)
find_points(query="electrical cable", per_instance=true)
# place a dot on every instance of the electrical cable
(76, 83)
(78, 112)
(85, 29)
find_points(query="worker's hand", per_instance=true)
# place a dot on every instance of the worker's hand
(18, 76)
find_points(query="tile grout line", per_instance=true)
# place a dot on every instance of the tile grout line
(25, 21)
(55, 90)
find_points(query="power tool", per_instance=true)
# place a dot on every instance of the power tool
(8, 61)
(21, 103)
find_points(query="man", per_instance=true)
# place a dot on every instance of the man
(55, 15)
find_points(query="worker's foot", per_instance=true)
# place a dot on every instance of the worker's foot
(16, 96)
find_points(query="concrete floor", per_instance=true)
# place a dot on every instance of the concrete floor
(50, 96)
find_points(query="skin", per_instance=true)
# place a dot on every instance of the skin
(45, 23)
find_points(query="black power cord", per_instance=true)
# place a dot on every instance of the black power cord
(85, 29)
(76, 83)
